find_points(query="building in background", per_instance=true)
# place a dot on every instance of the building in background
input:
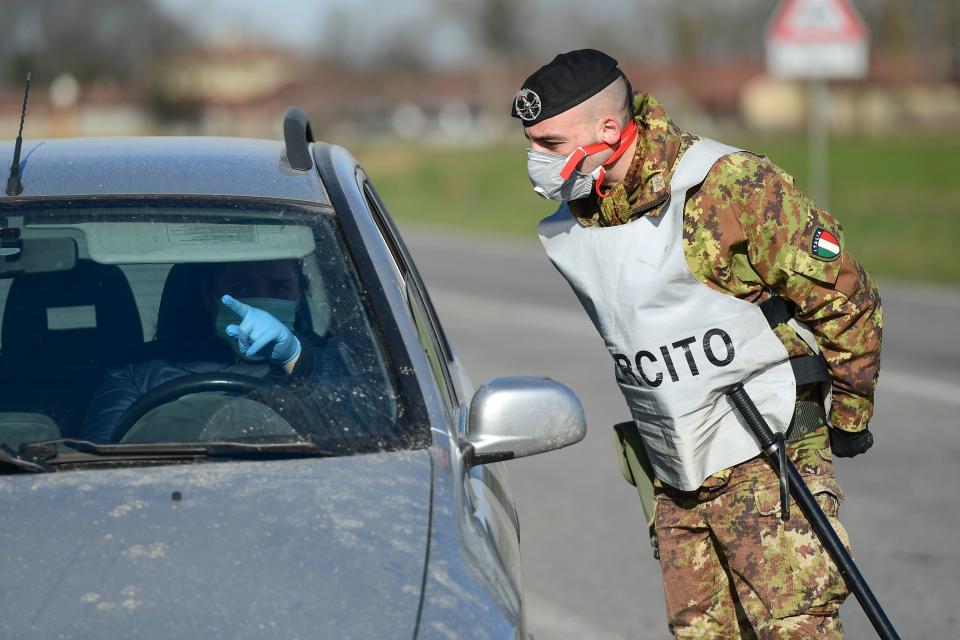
(159, 77)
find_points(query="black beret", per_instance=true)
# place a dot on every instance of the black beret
(563, 83)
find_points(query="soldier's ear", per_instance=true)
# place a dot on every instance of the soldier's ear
(610, 129)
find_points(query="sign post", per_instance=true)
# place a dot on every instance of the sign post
(817, 40)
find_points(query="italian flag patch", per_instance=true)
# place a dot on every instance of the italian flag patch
(825, 245)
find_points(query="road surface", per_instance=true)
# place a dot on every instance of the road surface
(588, 568)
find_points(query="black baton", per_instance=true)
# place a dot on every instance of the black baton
(772, 448)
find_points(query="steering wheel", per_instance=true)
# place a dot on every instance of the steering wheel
(279, 400)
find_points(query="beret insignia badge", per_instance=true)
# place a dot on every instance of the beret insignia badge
(527, 105)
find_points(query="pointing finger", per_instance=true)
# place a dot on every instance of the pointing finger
(235, 305)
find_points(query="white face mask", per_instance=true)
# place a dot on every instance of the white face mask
(556, 177)
(545, 171)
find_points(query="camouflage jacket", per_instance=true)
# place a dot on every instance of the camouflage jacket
(750, 233)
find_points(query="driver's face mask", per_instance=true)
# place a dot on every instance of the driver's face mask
(556, 177)
(283, 310)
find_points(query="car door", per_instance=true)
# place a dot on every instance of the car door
(486, 486)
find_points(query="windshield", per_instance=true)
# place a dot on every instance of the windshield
(189, 321)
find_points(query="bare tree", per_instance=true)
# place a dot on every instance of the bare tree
(498, 27)
(93, 39)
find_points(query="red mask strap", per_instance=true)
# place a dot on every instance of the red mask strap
(596, 183)
(629, 133)
(626, 137)
(574, 159)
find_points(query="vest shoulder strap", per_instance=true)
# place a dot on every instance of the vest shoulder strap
(695, 164)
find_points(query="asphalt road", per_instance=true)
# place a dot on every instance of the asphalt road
(588, 568)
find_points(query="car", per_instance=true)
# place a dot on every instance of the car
(159, 480)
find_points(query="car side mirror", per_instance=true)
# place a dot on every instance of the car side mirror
(519, 416)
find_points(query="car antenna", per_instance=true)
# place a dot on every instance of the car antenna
(14, 186)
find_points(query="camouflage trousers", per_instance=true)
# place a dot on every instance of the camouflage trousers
(733, 569)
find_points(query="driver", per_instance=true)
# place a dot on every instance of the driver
(250, 325)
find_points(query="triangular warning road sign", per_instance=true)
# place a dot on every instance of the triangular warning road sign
(809, 21)
(817, 39)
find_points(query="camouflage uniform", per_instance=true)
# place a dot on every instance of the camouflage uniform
(730, 565)
(732, 568)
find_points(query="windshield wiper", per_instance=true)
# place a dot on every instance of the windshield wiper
(10, 460)
(51, 451)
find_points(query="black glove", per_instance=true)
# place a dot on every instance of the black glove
(846, 444)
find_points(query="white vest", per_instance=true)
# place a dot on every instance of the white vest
(677, 344)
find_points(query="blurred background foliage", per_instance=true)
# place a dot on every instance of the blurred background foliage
(420, 92)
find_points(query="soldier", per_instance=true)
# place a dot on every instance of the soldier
(701, 266)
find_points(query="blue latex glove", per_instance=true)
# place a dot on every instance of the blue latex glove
(258, 329)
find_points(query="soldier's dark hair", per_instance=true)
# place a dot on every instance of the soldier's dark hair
(628, 98)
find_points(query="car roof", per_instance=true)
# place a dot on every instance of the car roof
(209, 166)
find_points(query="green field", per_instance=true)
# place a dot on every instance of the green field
(898, 199)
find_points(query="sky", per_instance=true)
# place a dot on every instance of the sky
(288, 21)
(441, 30)
(310, 25)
